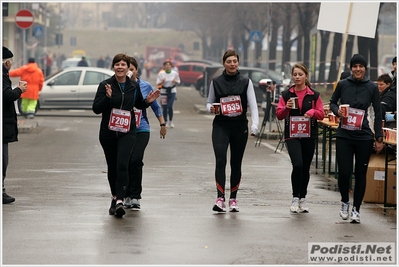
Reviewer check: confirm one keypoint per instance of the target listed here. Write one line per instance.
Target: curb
(25, 126)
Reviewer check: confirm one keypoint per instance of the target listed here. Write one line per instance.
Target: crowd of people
(126, 96)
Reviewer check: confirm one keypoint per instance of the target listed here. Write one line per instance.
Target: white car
(72, 88)
(72, 62)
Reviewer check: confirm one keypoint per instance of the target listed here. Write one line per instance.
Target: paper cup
(217, 108)
(345, 109)
(295, 101)
(21, 83)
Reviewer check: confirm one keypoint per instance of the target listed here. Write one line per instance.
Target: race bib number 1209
(119, 120)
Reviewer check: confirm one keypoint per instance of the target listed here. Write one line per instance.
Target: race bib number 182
(299, 126)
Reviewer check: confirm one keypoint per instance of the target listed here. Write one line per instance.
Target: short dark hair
(133, 61)
(120, 57)
(384, 78)
(230, 53)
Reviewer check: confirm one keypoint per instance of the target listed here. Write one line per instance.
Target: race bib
(137, 114)
(164, 100)
(299, 126)
(119, 120)
(231, 106)
(354, 121)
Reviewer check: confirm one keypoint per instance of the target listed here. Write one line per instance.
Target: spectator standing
(300, 143)
(354, 137)
(49, 63)
(100, 62)
(230, 126)
(394, 72)
(107, 62)
(388, 99)
(114, 100)
(135, 188)
(33, 75)
(10, 122)
(167, 80)
(83, 62)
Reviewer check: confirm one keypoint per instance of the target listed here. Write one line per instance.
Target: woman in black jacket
(114, 100)
(354, 137)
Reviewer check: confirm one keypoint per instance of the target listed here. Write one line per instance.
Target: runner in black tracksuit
(118, 92)
(354, 136)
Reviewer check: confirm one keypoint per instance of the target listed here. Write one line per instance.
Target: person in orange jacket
(33, 75)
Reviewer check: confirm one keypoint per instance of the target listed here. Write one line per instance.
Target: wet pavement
(57, 173)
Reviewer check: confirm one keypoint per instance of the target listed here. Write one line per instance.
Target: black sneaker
(119, 210)
(7, 199)
(112, 209)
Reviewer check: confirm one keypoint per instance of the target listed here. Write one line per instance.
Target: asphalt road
(57, 173)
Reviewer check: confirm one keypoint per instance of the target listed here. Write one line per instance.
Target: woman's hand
(152, 96)
(108, 90)
(378, 146)
(290, 103)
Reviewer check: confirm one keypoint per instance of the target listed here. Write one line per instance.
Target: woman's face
(358, 71)
(121, 68)
(231, 65)
(299, 76)
(167, 66)
(133, 69)
(382, 86)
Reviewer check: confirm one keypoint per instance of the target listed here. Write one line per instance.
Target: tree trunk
(325, 37)
(337, 44)
(348, 52)
(272, 49)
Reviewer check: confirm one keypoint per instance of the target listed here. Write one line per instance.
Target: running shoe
(128, 203)
(295, 205)
(219, 205)
(233, 205)
(112, 207)
(355, 216)
(135, 203)
(344, 212)
(119, 210)
(303, 205)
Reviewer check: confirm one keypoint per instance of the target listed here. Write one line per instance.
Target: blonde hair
(302, 67)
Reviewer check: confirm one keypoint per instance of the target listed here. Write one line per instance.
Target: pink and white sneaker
(233, 205)
(219, 205)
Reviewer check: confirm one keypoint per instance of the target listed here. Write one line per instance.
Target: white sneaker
(303, 205)
(295, 205)
(344, 212)
(171, 125)
(355, 216)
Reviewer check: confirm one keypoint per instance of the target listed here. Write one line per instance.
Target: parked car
(255, 74)
(72, 62)
(189, 72)
(72, 88)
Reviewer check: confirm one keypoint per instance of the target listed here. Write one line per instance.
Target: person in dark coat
(10, 127)
(388, 99)
(83, 62)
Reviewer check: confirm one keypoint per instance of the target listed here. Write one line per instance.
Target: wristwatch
(379, 139)
(163, 124)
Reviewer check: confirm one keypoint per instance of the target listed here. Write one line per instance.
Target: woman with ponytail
(301, 107)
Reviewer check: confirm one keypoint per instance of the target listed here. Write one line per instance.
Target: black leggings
(136, 166)
(346, 148)
(235, 134)
(301, 152)
(117, 154)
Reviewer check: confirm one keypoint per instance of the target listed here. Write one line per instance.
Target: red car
(190, 71)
